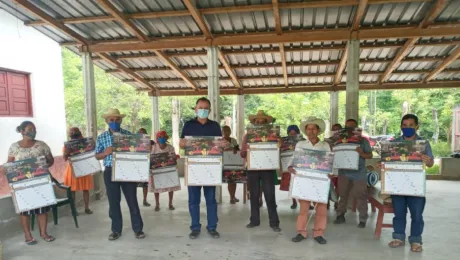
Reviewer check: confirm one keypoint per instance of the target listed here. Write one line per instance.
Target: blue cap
(293, 127)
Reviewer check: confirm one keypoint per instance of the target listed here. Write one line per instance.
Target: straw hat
(261, 114)
(113, 112)
(313, 121)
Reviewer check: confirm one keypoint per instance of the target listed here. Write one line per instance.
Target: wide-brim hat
(313, 121)
(113, 112)
(261, 114)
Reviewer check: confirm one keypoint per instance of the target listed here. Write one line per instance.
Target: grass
(433, 170)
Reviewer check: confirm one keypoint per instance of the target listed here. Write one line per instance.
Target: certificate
(263, 156)
(130, 167)
(407, 179)
(203, 171)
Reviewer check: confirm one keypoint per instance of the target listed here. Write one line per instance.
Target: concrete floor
(167, 234)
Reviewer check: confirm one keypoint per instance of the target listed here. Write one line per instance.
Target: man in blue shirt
(104, 152)
(416, 205)
(202, 126)
(354, 181)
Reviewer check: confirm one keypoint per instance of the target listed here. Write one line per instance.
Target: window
(15, 99)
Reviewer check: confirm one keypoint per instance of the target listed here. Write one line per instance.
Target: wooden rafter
(176, 68)
(198, 18)
(453, 57)
(283, 64)
(286, 37)
(60, 26)
(120, 17)
(221, 10)
(293, 64)
(48, 20)
(276, 15)
(228, 68)
(309, 75)
(359, 15)
(316, 88)
(341, 67)
(438, 6)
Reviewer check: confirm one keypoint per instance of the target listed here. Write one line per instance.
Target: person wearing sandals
(144, 185)
(202, 126)
(416, 205)
(226, 131)
(113, 118)
(85, 183)
(27, 148)
(311, 127)
(162, 146)
(268, 182)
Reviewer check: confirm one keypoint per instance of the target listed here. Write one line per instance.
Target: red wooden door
(4, 104)
(18, 93)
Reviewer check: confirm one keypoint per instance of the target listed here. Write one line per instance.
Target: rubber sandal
(396, 243)
(88, 211)
(237, 200)
(171, 207)
(49, 238)
(146, 204)
(31, 242)
(157, 208)
(232, 201)
(416, 247)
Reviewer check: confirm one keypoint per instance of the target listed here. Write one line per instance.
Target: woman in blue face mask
(162, 146)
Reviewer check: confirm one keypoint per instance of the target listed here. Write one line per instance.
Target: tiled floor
(167, 234)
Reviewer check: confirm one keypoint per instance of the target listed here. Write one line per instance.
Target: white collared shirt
(306, 144)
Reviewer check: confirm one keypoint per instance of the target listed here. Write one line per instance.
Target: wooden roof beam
(48, 20)
(359, 15)
(176, 68)
(314, 88)
(198, 18)
(121, 18)
(403, 51)
(228, 68)
(286, 37)
(453, 57)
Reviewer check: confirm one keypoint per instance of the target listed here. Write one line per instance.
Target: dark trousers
(416, 206)
(194, 200)
(268, 187)
(114, 196)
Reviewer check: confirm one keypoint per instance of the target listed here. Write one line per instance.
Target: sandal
(31, 242)
(416, 247)
(237, 200)
(88, 211)
(171, 207)
(157, 208)
(49, 238)
(396, 243)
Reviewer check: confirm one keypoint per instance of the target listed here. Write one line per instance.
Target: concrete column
(240, 118)
(352, 88)
(213, 95)
(334, 107)
(90, 109)
(155, 115)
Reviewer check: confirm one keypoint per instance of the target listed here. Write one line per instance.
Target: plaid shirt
(104, 141)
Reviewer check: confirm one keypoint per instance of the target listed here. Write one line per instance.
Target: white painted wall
(26, 49)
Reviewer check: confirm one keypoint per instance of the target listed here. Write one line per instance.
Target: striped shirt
(104, 141)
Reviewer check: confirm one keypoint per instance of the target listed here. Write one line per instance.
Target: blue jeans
(194, 199)
(416, 206)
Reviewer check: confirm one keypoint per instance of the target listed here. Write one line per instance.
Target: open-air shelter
(213, 47)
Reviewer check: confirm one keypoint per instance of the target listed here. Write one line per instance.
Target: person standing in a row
(28, 147)
(202, 126)
(144, 185)
(268, 182)
(233, 147)
(113, 118)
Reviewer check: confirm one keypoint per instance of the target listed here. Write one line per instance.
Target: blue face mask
(202, 113)
(115, 126)
(162, 140)
(408, 132)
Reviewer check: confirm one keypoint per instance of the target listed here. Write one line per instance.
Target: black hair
(226, 126)
(23, 126)
(203, 99)
(142, 129)
(339, 125)
(410, 116)
(352, 120)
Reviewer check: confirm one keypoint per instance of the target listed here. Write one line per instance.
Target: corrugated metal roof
(255, 65)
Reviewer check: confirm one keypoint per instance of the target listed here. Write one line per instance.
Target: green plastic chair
(60, 202)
